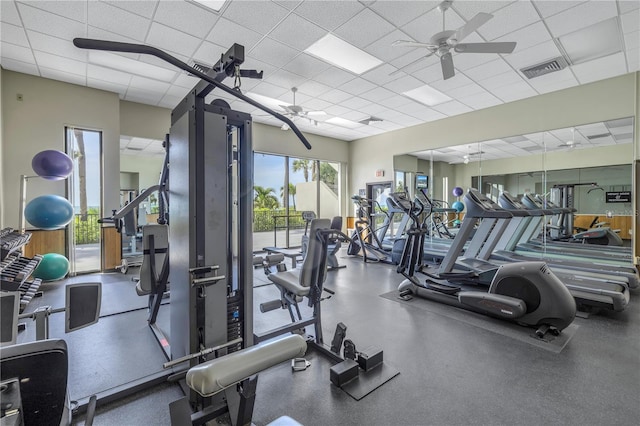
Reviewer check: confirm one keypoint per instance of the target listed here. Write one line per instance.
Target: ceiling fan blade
(315, 113)
(475, 23)
(499, 47)
(422, 58)
(407, 43)
(446, 61)
(287, 108)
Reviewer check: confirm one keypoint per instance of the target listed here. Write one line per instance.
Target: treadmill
(590, 289)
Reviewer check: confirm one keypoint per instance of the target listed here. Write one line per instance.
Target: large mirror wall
(593, 160)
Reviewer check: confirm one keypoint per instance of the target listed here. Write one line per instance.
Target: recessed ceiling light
(211, 4)
(593, 42)
(343, 122)
(427, 95)
(342, 54)
(120, 63)
(265, 99)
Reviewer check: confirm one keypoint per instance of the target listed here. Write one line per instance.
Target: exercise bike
(527, 293)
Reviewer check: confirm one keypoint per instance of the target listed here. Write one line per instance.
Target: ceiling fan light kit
(443, 42)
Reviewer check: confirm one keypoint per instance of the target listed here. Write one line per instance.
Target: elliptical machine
(524, 292)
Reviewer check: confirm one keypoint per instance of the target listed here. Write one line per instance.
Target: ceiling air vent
(601, 135)
(546, 67)
(203, 68)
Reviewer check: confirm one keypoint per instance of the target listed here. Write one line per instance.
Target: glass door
(84, 191)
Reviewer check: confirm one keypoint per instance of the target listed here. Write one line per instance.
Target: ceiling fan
(296, 111)
(572, 143)
(441, 43)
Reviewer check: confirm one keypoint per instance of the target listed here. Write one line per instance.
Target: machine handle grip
(114, 46)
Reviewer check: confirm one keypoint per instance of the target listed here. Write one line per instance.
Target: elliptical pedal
(442, 288)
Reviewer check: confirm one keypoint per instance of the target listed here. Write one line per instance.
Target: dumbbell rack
(16, 269)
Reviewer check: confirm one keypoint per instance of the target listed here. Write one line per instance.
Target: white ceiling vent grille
(202, 67)
(552, 65)
(599, 136)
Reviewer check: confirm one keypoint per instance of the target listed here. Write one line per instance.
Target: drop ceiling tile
(101, 34)
(226, 33)
(632, 41)
(317, 105)
(313, 88)
(336, 110)
(490, 69)
(397, 101)
(48, 23)
(260, 16)
(533, 55)
(357, 86)
(413, 59)
(13, 34)
(328, 14)
(147, 84)
(363, 29)
(601, 68)
(334, 76)
(465, 91)
(63, 75)
(107, 87)
(272, 91)
(380, 75)
(143, 96)
(454, 82)
(336, 96)
(425, 26)
(550, 8)
(185, 80)
(59, 63)
(69, 9)
(254, 64)
(286, 79)
(288, 4)
(630, 22)
(273, 52)
(514, 92)
(143, 8)
(208, 53)
(306, 65)
(355, 115)
(379, 94)
(554, 81)
(108, 75)
(465, 61)
(167, 38)
(19, 66)
(297, 32)
(56, 46)
(452, 108)
(402, 12)
(429, 74)
(9, 13)
(581, 16)
(403, 84)
(372, 109)
(628, 5)
(113, 19)
(633, 60)
(528, 36)
(383, 48)
(185, 17)
(469, 9)
(501, 80)
(517, 15)
(355, 102)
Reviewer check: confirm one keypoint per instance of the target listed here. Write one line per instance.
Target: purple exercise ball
(457, 191)
(52, 165)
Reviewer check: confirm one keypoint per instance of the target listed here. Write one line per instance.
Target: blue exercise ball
(52, 267)
(457, 191)
(49, 212)
(52, 165)
(458, 206)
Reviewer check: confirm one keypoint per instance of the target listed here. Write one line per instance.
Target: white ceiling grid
(36, 38)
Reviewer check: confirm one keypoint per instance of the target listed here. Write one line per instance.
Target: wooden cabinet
(111, 248)
(43, 242)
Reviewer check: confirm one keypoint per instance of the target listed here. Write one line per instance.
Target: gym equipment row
(16, 270)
